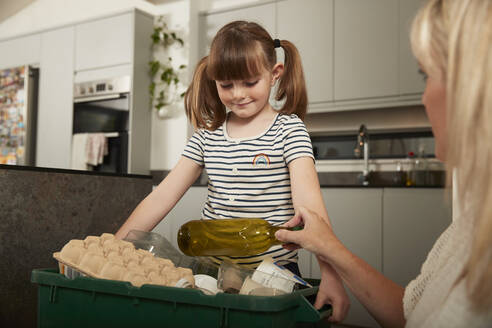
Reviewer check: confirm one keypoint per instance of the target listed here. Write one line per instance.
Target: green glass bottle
(229, 237)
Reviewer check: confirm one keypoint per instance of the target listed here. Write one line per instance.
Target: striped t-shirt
(249, 177)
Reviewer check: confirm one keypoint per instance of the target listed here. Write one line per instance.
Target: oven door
(101, 115)
(108, 114)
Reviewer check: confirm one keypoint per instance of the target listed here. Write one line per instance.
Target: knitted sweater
(431, 300)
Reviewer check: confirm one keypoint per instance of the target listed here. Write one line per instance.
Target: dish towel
(88, 150)
(96, 148)
(79, 141)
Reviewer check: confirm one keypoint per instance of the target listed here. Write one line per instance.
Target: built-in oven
(102, 107)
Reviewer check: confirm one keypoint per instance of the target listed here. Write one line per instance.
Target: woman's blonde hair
(453, 40)
(242, 50)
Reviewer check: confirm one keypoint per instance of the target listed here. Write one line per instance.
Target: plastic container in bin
(161, 247)
(88, 302)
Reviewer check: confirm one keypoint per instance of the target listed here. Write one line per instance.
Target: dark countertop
(55, 170)
(41, 209)
(385, 179)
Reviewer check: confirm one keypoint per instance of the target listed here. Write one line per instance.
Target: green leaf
(168, 75)
(155, 65)
(152, 88)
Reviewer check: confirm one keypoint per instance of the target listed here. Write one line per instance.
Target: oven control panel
(102, 87)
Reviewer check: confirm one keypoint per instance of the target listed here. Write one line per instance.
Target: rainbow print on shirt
(261, 159)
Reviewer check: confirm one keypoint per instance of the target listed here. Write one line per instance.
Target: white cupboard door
(309, 25)
(366, 49)
(304, 262)
(411, 82)
(356, 216)
(55, 110)
(104, 42)
(20, 51)
(413, 219)
(210, 24)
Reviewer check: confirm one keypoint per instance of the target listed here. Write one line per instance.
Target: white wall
(219, 4)
(9, 7)
(170, 133)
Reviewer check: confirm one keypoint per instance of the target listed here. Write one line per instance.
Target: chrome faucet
(363, 143)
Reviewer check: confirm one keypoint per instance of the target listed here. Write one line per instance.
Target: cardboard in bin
(89, 302)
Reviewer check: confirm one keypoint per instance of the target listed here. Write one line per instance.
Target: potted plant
(165, 84)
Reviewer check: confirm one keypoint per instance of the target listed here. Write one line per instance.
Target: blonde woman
(452, 40)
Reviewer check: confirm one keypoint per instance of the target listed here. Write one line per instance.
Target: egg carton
(106, 257)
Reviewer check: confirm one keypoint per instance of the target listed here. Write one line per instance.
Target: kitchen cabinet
(410, 80)
(20, 51)
(413, 219)
(55, 99)
(366, 44)
(211, 22)
(141, 110)
(314, 42)
(392, 229)
(355, 53)
(356, 216)
(104, 42)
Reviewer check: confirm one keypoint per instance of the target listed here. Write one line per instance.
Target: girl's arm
(379, 295)
(162, 199)
(306, 193)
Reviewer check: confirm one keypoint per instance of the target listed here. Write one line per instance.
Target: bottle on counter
(227, 237)
(410, 169)
(420, 168)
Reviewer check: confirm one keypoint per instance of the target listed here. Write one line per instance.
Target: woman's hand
(316, 236)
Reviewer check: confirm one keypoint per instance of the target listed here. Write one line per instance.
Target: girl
(259, 160)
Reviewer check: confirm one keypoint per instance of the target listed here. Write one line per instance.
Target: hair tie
(276, 43)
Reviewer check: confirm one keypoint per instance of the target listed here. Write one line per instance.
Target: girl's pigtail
(202, 103)
(292, 84)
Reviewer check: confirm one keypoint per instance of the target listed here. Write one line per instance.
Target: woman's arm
(306, 193)
(380, 296)
(162, 199)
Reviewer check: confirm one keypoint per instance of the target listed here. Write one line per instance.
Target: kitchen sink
(430, 178)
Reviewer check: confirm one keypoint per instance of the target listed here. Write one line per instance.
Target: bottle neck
(274, 229)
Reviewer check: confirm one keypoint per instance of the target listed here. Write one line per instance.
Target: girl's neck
(238, 127)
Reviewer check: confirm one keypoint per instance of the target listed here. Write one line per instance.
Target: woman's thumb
(286, 236)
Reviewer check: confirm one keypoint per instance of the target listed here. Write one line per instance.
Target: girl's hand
(331, 291)
(316, 236)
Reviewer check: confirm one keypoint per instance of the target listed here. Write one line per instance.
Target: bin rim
(296, 301)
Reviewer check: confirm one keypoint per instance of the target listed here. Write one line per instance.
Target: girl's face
(434, 100)
(247, 98)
